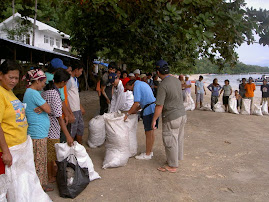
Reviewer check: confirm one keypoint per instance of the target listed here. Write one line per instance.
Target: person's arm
(69, 139)
(82, 109)
(221, 91)
(71, 117)
(196, 89)
(104, 93)
(157, 114)
(46, 108)
(231, 91)
(66, 113)
(6, 156)
(133, 110)
(204, 89)
(209, 87)
(188, 86)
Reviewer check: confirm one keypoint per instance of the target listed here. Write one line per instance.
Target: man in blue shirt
(145, 100)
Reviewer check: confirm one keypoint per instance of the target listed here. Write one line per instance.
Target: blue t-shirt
(144, 95)
(39, 124)
(50, 77)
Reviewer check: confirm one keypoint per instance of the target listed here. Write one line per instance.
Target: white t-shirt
(73, 95)
(121, 100)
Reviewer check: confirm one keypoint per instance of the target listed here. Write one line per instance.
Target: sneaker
(143, 156)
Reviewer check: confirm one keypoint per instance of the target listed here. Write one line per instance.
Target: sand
(226, 159)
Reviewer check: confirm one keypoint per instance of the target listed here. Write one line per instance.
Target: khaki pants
(173, 140)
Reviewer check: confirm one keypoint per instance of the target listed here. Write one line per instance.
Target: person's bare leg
(201, 104)
(149, 141)
(51, 175)
(79, 139)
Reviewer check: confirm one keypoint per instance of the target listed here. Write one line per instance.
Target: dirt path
(226, 159)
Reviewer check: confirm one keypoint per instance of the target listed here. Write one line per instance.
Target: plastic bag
(265, 108)
(79, 181)
(233, 105)
(4, 182)
(189, 103)
(218, 107)
(117, 141)
(84, 161)
(131, 123)
(97, 131)
(206, 107)
(245, 106)
(257, 110)
(24, 182)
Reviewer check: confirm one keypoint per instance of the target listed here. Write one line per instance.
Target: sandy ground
(226, 159)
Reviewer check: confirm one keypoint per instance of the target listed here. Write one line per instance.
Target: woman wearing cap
(37, 111)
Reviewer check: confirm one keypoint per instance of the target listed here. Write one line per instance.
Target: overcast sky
(255, 54)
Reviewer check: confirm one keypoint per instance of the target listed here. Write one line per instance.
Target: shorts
(199, 97)
(225, 100)
(2, 165)
(77, 128)
(51, 149)
(147, 120)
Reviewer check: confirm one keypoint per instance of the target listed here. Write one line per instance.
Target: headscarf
(34, 75)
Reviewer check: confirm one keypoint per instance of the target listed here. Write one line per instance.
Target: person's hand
(126, 116)
(83, 110)
(7, 158)
(205, 92)
(69, 141)
(108, 101)
(66, 120)
(71, 118)
(38, 110)
(153, 125)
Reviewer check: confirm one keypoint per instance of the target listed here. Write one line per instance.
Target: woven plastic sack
(189, 103)
(233, 105)
(117, 141)
(218, 107)
(206, 107)
(3, 188)
(97, 131)
(265, 108)
(257, 110)
(131, 123)
(245, 106)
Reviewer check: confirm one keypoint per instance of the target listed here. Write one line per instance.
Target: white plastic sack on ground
(131, 123)
(257, 110)
(97, 131)
(245, 106)
(189, 103)
(218, 107)
(3, 188)
(117, 141)
(206, 107)
(265, 108)
(24, 183)
(233, 105)
(84, 161)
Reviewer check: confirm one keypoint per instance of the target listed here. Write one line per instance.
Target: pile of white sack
(189, 103)
(218, 107)
(233, 105)
(261, 110)
(97, 131)
(206, 107)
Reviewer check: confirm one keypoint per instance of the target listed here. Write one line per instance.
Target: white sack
(84, 161)
(24, 182)
(265, 108)
(206, 107)
(233, 105)
(131, 123)
(218, 107)
(117, 141)
(257, 110)
(245, 106)
(4, 182)
(189, 103)
(97, 131)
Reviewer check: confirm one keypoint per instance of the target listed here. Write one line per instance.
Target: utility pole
(13, 12)
(33, 41)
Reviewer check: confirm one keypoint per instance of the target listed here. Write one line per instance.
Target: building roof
(40, 25)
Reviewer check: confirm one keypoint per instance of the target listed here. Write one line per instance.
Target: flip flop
(164, 169)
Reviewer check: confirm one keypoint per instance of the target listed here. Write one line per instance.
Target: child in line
(227, 89)
(238, 98)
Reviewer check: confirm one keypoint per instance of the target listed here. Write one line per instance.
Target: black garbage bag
(80, 181)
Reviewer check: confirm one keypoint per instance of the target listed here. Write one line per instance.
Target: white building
(46, 37)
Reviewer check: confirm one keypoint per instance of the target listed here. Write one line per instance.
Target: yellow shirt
(12, 118)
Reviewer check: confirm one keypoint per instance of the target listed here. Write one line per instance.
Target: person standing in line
(145, 100)
(214, 88)
(242, 91)
(181, 78)
(199, 91)
(155, 84)
(124, 78)
(227, 89)
(187, 84)
(77, 128)
(250, 88)
(106, 89)
(265, 92)
(169, 103)
(131, 76)
(37, 111)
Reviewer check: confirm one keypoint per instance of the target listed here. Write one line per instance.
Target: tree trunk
(33, 42)
(13, 12)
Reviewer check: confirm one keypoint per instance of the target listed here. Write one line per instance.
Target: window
(58, 43)
(46, 39)
(51, 41)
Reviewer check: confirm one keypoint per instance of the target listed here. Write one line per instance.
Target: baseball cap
(131, 74)
(137, 71)
(57, 63)
(162, 65)
(112, 77)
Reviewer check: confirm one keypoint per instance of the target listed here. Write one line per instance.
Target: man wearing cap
(106, 89)
(132, 76)
(137, 74)
(250, 88)
(169, 103)
(145, 100)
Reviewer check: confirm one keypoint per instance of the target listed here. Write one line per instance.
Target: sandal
(166, 168)
(47, 188)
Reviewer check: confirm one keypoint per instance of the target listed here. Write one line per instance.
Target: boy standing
(199, 91)
(265, 92)
(77, 128)
(250, 88)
